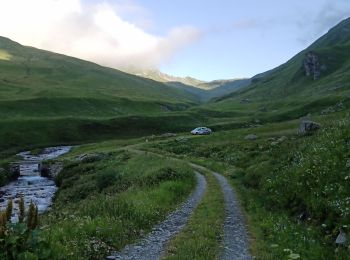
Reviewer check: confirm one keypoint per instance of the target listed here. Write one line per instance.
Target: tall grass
(295, 191)
(105, 204)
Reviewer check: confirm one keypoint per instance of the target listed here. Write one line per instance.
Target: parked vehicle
(201, 131)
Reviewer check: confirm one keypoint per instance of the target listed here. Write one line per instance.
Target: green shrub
(107, 178)
(20, 240)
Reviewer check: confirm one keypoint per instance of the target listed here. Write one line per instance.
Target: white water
(30, 184)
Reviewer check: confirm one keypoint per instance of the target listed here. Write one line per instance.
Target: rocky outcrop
(15, 170)
(312, 65)
(307, 127)
(50, 170)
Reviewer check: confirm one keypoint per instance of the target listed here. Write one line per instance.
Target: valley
(264, 187)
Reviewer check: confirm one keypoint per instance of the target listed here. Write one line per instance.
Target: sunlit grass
(4, 55)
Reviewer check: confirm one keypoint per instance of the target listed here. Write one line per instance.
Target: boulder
(308, 127)
(251, 137)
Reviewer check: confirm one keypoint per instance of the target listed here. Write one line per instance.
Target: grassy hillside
(35, 77)
(287, 90)
(42, 93)
(294, 188)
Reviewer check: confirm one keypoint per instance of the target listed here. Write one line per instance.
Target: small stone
(168, 135)
(181, 139)
(294, 256)
(245, 101)
(341, 238)
(251, 137)
(282, 139)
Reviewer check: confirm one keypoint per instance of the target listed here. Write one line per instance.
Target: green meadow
(294, 189)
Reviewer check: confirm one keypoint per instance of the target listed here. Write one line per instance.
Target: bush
(106, 178)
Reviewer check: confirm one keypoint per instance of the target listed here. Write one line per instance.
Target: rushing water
(30, 184)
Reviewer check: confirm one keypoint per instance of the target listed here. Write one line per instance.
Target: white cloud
(95, 32)
(327, 15)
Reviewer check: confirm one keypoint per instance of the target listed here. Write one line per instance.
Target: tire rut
(154, 244)
(236, 240)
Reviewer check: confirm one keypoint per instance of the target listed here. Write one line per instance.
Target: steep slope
(39, 83)
(313, 80)
(162, 77)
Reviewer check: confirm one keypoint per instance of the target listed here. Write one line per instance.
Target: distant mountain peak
(157, 75)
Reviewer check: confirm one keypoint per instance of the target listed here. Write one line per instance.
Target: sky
(204, 39)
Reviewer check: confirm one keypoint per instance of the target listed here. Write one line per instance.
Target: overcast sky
(205, 39)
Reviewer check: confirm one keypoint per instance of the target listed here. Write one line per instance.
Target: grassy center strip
(201, 238)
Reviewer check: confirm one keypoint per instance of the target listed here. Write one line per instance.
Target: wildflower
(324, 225)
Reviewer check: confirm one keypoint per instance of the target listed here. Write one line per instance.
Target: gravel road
(154, 244)
(236, 242)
